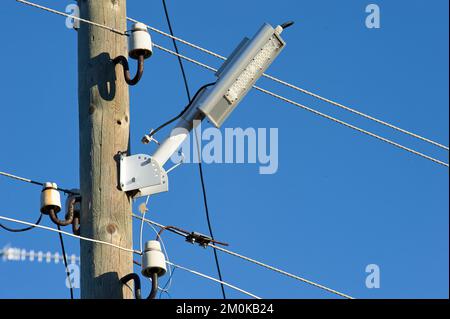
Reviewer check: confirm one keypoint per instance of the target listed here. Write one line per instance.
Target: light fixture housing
(239, 73)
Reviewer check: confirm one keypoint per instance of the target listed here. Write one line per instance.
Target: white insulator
(153, 259)
(140, 41)
(50, 198)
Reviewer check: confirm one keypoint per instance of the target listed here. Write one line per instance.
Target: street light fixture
(144, 174)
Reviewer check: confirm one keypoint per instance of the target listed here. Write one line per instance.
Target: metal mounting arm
(126, 68)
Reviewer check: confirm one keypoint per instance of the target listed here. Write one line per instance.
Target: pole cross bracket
(141, 175)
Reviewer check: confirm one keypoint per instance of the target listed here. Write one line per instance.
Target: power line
(272, 268)
(71, 235)
(180, 62)
(274, 95)
(125, 249)
(282, 98)
(299, 89)
(148, 137)
(256, 87)
(214, 279)
(21, 230)
(27, 180)
(309, 282)
(32, 4)
(63, 250)
(200, 165)
(383, 139)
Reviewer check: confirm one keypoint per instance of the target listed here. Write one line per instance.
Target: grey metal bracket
(141, 174)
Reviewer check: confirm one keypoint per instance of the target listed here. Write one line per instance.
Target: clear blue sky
(339, 201)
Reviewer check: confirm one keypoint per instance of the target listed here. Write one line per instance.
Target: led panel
(250, 74)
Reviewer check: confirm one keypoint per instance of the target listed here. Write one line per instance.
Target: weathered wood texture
(104, 132)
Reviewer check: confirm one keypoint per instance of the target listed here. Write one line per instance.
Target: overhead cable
(256, 87)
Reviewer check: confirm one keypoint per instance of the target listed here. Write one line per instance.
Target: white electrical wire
(141, 230)
(261, 264)
(260, 89)
(143, 220)
(125, 249)
(277, 80)
(213, 279)
(282, 98)
(168, 284)
(22, 179)
(32, 4)
(70, 234)
(280, 271)
(223, 58)
(264, 91)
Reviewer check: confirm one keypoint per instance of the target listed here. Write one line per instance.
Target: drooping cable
(63, 250)
(301, 90)
(205, 200)
(27, 180)
(20, 230)
(168, 262)
(214, 279)
(286, 100)
(154, 290)
(170, 269)
(183, 72)
(124, 33)
(9, 219)
(137, 283)
(261, 264)
(159, 128)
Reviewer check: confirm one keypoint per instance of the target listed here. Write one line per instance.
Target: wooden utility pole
(104, 119)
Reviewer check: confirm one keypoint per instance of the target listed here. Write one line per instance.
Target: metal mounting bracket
(142, 175)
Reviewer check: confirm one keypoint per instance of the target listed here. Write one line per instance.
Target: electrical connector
(197, 238)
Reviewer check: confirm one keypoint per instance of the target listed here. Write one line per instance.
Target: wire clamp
(202, 240)
(148, 138)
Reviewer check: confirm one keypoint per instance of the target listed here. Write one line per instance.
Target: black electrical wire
(205, 200)
(287, 24)
(153, 132)
(186, 85)
(154, 291)
(137, 284)
(65, 261)
(12, 230)
(26, 180)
